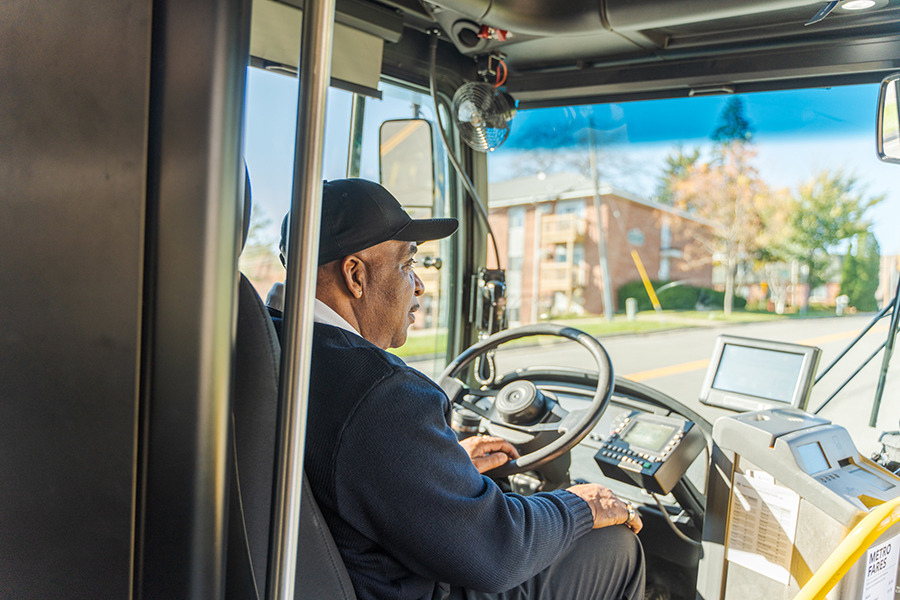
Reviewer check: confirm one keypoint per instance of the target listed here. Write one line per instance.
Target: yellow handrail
(879, 520)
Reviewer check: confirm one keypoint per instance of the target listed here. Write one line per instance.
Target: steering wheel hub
(521, 403)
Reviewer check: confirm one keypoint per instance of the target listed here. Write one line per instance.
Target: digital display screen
(756, 372)
(652, 436)
(813, 458)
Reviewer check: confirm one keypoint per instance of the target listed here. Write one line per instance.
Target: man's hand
(606, 507)
(488, 452)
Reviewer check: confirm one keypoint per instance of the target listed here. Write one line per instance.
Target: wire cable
(501, 80)
(677, 531)
(465, 178)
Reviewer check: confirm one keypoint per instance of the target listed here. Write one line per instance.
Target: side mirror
(406, 161)
(888, 128)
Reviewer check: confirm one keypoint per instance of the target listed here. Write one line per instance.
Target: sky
(798, 134)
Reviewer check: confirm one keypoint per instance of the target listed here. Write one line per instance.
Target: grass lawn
(423, 343)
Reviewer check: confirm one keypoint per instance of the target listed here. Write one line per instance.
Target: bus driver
(410, 512)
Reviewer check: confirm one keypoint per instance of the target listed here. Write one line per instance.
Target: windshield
(701, 189)
(271, 116)
(746, 214)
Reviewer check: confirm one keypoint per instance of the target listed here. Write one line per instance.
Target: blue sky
(811, 113)
(798, 133)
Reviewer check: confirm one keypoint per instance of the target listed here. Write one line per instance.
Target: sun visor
(275, 45)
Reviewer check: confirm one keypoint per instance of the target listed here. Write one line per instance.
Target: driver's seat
(320, 569)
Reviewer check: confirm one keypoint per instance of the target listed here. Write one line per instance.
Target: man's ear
(353, 270)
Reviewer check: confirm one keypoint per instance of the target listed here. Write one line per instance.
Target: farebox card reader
(785, 489)
(650, 451)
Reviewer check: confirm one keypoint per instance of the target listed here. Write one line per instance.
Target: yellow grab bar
(879, 520)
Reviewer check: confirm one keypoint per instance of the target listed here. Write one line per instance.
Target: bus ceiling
(588, 51)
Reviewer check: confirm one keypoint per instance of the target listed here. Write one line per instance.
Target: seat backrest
(320, 569)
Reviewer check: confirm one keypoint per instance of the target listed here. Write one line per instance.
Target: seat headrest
(245, 225)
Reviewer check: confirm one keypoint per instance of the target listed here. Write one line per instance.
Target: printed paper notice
(763, 523)
(881, 570)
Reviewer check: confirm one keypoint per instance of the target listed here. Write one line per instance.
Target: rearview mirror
(406, 165)
(888, 128)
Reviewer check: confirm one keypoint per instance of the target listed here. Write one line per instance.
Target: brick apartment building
(546, 229)
(888, 275)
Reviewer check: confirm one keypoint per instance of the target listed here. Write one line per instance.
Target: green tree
(826, 211)
(727, 197)
(859, 273)
(259, 259)
(678, 162)
(733, 123)
(726, 193)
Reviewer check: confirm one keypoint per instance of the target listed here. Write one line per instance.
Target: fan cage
(482, 115)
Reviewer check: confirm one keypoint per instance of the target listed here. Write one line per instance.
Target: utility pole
(601, 237)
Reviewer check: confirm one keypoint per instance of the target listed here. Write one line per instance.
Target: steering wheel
(520, 406)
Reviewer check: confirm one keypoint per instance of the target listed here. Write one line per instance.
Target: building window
(635, 237)
(664, 268)
(665, 235)
(570, 207)
(516, 217)
(515, 249)
(560, 253)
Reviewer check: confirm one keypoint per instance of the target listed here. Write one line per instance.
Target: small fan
(482, 114)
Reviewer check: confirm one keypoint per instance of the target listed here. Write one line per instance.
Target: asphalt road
(675, 362)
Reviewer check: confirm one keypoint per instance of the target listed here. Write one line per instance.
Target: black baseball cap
(358, 214)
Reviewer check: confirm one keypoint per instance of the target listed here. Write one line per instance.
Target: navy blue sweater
(404, 502)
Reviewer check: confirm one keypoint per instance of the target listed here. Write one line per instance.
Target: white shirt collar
(322, 313)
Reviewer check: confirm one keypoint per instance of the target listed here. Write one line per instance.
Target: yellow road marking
(697, 365)
(673, 370)
(836, 337)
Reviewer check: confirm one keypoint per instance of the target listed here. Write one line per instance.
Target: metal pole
(313, 77)
(849, 379)
(536, 266)
(844, 352)
(357, 115)
(601, 238)
(886, 359)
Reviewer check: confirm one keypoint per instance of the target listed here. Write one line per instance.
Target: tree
(727, 192)
(733, 124)
(826, 211)
(677, 163)
(859, 273)
(726, 196)
(259, 259)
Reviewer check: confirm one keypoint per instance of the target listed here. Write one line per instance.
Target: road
(675, 362)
